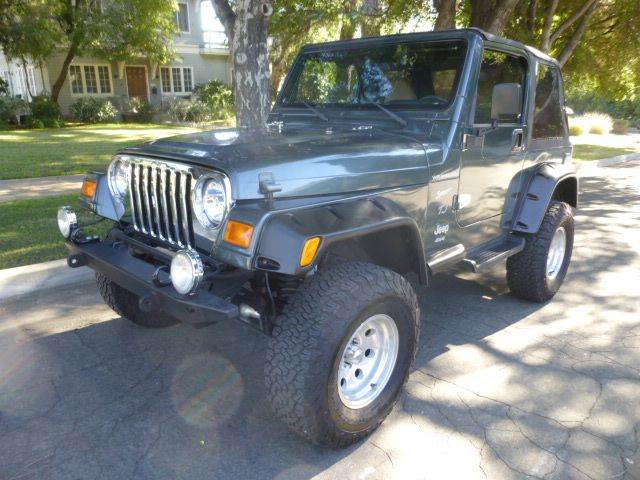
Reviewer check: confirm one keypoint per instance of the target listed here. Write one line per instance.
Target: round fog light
(67, 221)
(186, 271)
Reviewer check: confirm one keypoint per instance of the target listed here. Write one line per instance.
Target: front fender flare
(284, 234)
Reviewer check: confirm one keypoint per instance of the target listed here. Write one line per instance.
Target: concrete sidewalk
(26, 188)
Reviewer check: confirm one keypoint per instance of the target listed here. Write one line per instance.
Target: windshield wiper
(317, 112)
(395, 116)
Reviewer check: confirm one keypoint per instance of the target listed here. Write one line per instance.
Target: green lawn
(29, 230)
(76, 149)
(585, 152)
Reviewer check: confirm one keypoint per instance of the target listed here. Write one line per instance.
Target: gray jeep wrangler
(383, 158)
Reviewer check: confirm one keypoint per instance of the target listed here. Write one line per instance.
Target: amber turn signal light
(238, 233)
(309, 251)
(89, 187)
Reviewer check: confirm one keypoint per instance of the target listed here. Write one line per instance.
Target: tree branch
(226, 15)
(571, 20)
(545, 44)
(573, 42)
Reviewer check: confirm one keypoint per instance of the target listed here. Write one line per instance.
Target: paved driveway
(501, 389)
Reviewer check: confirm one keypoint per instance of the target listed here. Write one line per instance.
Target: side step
(488, 254)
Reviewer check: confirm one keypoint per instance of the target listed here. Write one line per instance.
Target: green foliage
(139, 111)
(198, 112)
(44, 109)
(93, 110)
(627, 108)
(576, 130)
(4, 87)
(11, 108)
(620, 127)
(218, 97)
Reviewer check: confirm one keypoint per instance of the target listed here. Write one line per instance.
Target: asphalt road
(501, 388)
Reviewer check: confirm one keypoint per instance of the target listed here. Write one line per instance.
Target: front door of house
(137, 83)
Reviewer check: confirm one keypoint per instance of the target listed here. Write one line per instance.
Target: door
(137, 83)
(492, 159)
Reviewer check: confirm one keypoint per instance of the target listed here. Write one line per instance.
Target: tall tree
(246, 24)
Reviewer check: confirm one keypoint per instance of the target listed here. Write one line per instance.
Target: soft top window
(403, 75)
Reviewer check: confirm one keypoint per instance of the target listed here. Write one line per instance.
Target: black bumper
(113, 260)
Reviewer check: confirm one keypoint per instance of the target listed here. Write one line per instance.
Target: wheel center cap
(354, 354)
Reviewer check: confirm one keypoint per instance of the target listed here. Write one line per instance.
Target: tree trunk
(251, 63)
(446, 19)
(348, 27)
(247, 30)
(545, 43)
(370, 25)
(492, 15)
(57, 85)
(575, 39)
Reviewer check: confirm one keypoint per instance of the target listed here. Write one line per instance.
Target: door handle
(517, 140)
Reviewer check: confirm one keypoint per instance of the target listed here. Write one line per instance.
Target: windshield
(404, 75)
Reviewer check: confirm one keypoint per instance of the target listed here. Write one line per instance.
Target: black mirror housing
(506, 102)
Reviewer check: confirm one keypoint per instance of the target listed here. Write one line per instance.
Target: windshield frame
(296, 71)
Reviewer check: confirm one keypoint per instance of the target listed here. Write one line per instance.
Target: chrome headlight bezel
(203, 210)
(118, 177)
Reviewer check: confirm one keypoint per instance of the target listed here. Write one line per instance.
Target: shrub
(576, 130)
(198, 112)
(620, 127)
(11, 109)
(596, 123)
(4, 87)
(178, 109)
(93, 110)
(139, 111)
(218, 97)
(44, 109)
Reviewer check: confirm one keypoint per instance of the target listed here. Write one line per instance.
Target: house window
(90, 79)
(76, 79)
(182, 17)
(176, 79)
(105, 79)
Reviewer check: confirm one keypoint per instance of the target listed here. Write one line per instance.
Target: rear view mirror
(506, 103)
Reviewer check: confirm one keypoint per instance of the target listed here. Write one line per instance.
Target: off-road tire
(307, 344)
(125, 304)
(527, 270)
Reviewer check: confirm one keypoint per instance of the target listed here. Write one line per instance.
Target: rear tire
(306, 362)
(125, 304)
(537, 272)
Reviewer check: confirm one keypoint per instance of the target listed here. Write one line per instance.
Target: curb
(19, 281)
(627, 157)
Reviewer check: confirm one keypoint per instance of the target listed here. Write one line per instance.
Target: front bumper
(114, 260)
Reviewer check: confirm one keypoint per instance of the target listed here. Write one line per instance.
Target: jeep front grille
(160, 199)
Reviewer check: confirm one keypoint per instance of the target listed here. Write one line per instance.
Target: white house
(202, 54)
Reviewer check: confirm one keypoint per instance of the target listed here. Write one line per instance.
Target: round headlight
(186, 271)
(211, 200)
(119, 178)
(67, 221)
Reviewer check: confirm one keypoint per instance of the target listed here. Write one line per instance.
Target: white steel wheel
(555, 256)
(367, 361)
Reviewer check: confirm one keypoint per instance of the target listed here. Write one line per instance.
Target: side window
(547, 118)
(498, 67)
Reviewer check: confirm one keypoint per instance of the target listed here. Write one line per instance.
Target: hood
(303, 161)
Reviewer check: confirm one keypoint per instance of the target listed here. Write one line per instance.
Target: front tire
(125, 304)
(537, 272)
(309, 384)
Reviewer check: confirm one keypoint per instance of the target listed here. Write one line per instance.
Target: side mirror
(506, 102)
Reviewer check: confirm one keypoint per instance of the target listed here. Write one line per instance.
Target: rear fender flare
(550, 181)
